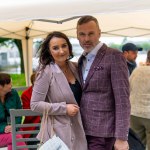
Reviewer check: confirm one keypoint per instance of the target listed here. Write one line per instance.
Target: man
(130, 52)
(105, 106)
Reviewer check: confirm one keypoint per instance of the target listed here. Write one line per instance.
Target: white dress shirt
(89, 60)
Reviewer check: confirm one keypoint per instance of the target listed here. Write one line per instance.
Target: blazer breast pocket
(100, 75)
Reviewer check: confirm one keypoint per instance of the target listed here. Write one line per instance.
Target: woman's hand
(8, 129)
(72, 109)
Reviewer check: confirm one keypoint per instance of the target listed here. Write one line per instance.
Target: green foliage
(18, 80)
(144, 45)
(3, 40)
(11, 42)
(116, 46)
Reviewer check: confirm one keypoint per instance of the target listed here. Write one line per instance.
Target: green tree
(7, 41)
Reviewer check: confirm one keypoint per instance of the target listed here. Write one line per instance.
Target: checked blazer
(105, 106)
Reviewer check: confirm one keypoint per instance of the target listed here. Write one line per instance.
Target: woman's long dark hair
(45, 56)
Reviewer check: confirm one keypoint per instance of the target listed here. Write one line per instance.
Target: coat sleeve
(120, 86)
(2, 127)
(39, 95)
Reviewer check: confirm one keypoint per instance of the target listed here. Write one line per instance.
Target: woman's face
(59, 50)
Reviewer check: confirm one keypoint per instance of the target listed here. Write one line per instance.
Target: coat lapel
(63, 84)
(80, 62)
(73, 67)
(95, 65)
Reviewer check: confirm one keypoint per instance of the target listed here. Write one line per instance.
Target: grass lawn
(18, 80)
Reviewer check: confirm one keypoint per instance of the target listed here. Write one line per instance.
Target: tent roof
(27, 19)
(116, 17)
(38, 9)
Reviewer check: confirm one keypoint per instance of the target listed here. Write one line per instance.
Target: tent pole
(27, 56)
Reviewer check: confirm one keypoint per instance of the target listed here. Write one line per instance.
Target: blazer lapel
(80, 62)
(74, 70)
(63, 84)
(95, 64)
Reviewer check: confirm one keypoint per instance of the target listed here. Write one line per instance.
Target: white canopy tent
(28, 19)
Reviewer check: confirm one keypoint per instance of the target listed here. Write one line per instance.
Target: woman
(9, 99)
(57, 90)
(140, 101)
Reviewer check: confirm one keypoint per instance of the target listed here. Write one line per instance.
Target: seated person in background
(9, 99)
(25, 97)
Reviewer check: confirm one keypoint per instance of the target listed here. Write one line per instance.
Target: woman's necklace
(68, 74)
(65, 69)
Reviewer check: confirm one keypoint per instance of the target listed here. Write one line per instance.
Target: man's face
(88, 35)
(131, 55)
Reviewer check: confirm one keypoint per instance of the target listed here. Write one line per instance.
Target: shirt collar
(94, 51)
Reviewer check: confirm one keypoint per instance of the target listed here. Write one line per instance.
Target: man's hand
(121, 145)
